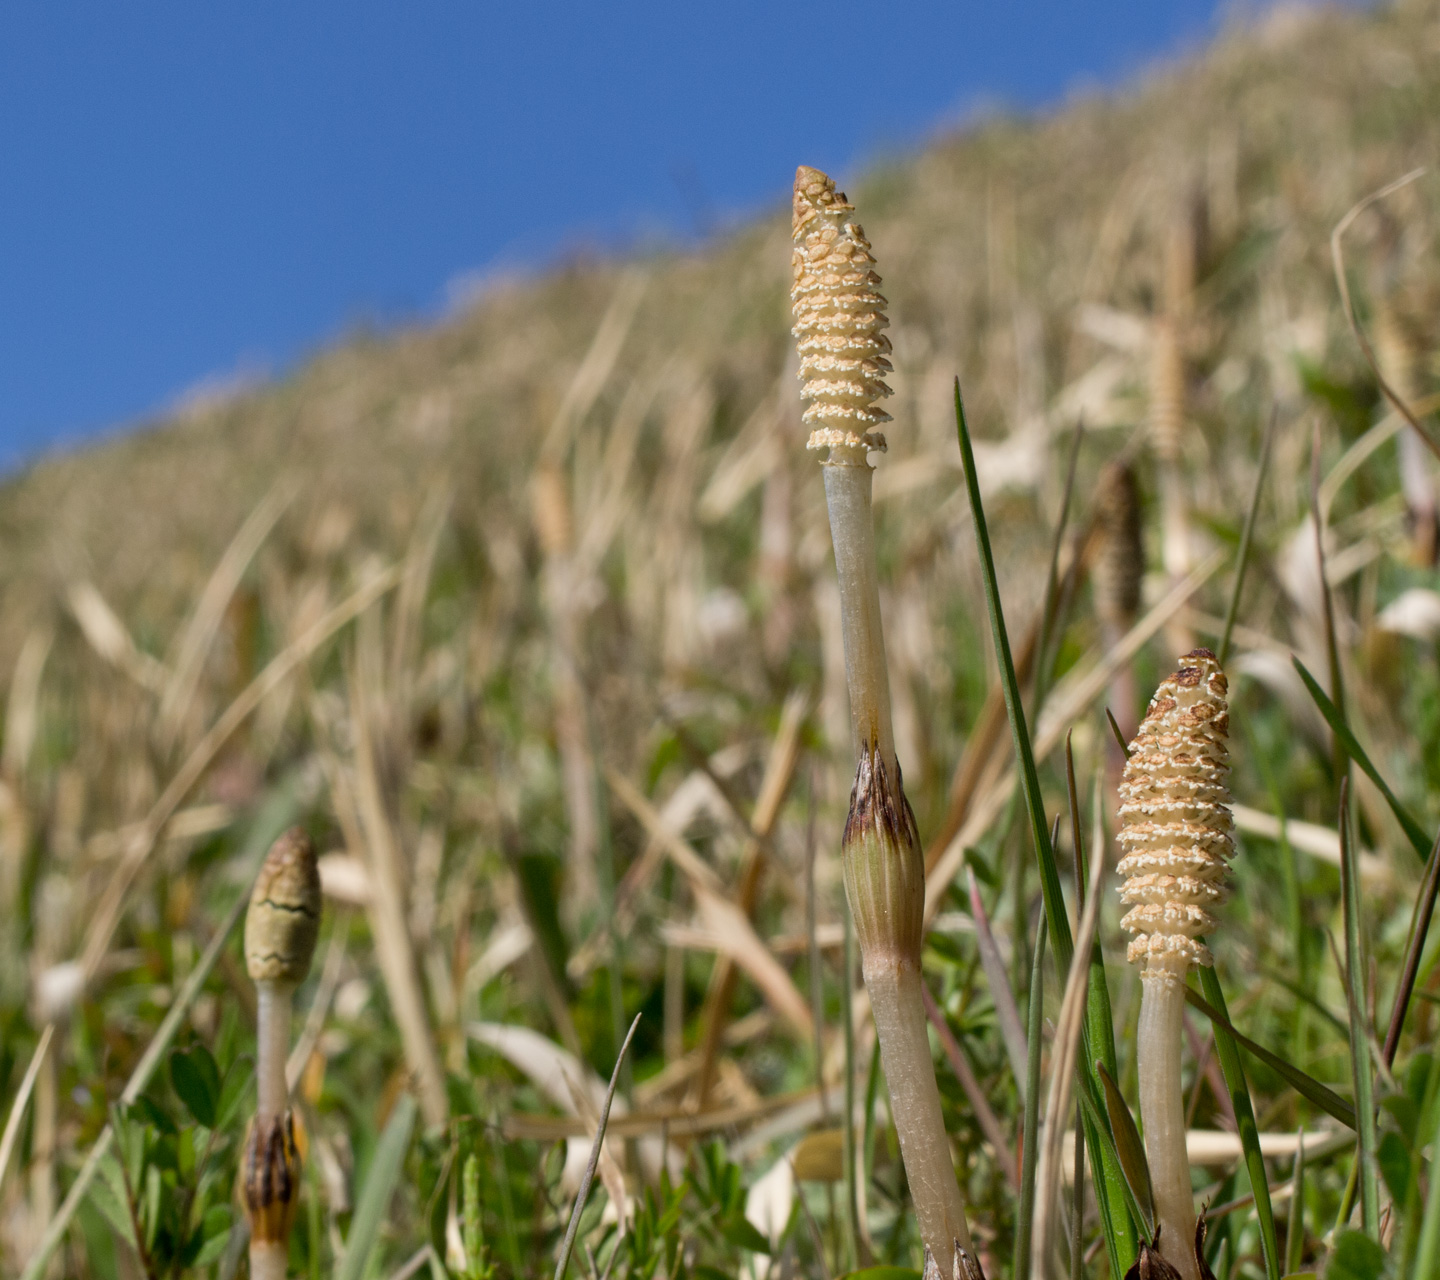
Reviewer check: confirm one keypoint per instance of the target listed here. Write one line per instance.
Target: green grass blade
(1050, 614)
(1338, 726)
(380, 1183)
(1426, 1128)
(1110, 1182)
(1030, 1145)
(1332, 646)
(1414, 947)
(1309, 1088)
(583, 1193)
(1131, 1152)
(1060, 937)
(1242, 558)
(1427, 1258)
(1097, 1129)
(1228, 1054)
(1359, 1032)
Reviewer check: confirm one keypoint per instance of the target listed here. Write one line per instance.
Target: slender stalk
(848, 482)
(839, 323)
(1228, 1053)
(1242, 557)
(281, 928)
(847, 1023)
(272, 1035)
(1158, 1039)
(1360, 1030)
(1029, 1143)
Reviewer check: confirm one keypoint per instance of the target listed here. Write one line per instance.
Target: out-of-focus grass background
(461, 599)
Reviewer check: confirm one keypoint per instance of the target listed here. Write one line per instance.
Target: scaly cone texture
(1177, 833)
(839, 318)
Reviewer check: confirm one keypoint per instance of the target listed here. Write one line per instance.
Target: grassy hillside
(579, 551)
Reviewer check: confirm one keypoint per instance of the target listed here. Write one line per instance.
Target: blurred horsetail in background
(530, 620)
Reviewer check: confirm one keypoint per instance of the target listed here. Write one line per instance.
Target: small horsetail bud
(281, 928)
(839, 324)
(839, 318)
(1177, 837)
(284, 916)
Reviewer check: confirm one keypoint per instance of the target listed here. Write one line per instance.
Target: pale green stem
(269, 1258)
(890, 956)
(900, 1024)
(1162, 1109)
(848, 478)
(272, 1033)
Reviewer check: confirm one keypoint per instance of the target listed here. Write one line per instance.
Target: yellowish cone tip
(270, 1177)
(839, 318)
(284, 916)
(1177, 833)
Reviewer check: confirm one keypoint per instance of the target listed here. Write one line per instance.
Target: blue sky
(193, 192)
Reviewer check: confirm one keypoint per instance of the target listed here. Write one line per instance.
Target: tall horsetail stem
(1178, 837)
(281, 927)
(839, 330)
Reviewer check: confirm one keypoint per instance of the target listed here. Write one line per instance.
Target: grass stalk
(1228, 1053)
(1242, 556)
(583, 1193)
(1069, 1032)
(1327, 603)
(1414, 949)
(1360, 1034)
(1029, 1142)
(22, 1099)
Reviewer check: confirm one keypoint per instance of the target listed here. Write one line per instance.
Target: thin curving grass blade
(1335, 718)
(1050, 614)
(1359, 1033)
(1228, 1053)
(380, 1183)
(1029, 1144)
(1309, 1088)
(1242, 558)
(583, 1194)
(1131, 1151)
(1120, 1235)
(1414, 946)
